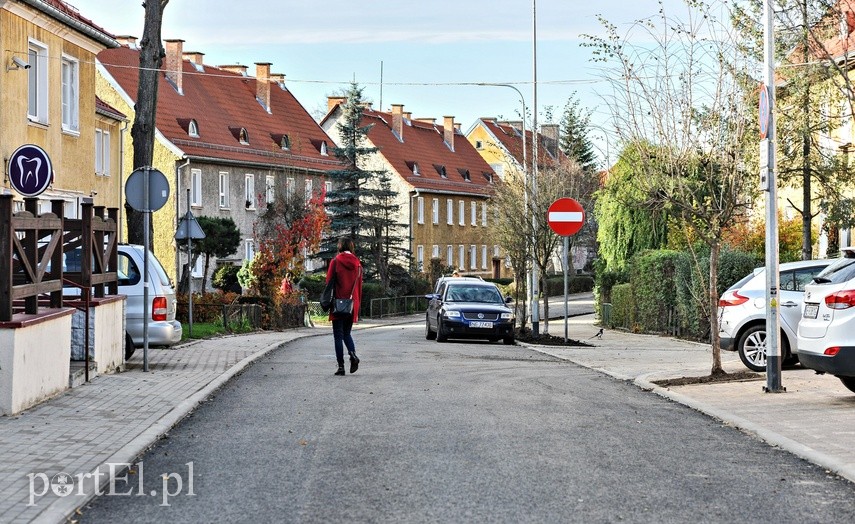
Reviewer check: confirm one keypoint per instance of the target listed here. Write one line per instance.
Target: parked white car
(163, 329)
(742, 312)
(826, 334)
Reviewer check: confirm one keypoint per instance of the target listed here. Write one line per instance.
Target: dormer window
(193, 129)
(324, 151)
(414, 167)
(465, 174)
(285, 142)
(243, 137)
(488, 177)
(441, 170)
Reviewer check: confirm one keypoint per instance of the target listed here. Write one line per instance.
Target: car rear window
(161, 274)
(839, 271)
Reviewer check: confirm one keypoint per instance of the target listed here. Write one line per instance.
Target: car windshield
(464, 293)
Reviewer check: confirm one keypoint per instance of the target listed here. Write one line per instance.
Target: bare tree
(142, 132)
(679, 97)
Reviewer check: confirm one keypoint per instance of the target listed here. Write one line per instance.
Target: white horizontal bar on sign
(565, 216)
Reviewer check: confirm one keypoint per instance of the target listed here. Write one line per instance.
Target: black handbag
(344, 306)
(328, 294)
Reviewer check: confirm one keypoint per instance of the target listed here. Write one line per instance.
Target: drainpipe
(416, 195)
(175, 225)
(119, 179)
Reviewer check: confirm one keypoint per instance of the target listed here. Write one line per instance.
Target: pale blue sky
(321, 46)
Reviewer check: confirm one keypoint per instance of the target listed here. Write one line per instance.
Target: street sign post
(566, 217)
(146, 190)
(189, 230)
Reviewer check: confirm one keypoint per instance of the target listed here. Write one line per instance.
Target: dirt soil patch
(546, 339)
(739, 376)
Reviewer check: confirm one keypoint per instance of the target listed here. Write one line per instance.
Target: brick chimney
(127, 40)
(193, 56)
(235, 68)
(279, 78)
(448, 131)
(408, 115)
(549, 132)
(431, 121)
(333, 101)
(175, 63)
(398, 121)
(262, 84)
(457, 126)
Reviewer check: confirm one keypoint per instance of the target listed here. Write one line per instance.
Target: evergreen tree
(574, 140)
(362, 204)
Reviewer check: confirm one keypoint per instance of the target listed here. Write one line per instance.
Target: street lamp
(535, 315)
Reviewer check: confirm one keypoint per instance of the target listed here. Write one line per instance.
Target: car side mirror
(431, 296)
(508, 299)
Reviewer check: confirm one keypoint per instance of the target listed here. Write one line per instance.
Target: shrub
(623, 306)
(554, 286)
(652, 274)
(207, 307)
(226, 279)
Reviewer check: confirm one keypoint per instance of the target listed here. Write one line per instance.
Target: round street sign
(158, 189)
(566, 217)
(30, 170)
(764, 111)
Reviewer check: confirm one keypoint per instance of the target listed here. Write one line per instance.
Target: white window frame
(435, 252)
(224, 190)
(473, 256)
(70, 79)
(99, 151)
(461, 212)
(421, 210)
(484, 214)
(327, 188)
(37, 87)
(449, 252)
(420, 258)
(435, 211)
(308, 189)
(290, 186)
(450, 205)
(249, 249)
(473, 213)
(198, 268)
(193, 129)
(496, 252)
(196, 187)
(461, 256)
(269, 189)
(483, 256)
(249, 190)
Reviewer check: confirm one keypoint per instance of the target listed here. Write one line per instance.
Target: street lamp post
(535, 315)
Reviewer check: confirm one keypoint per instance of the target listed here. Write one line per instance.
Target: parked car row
(817, 299)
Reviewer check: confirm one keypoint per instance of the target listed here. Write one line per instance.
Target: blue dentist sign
(30, 170)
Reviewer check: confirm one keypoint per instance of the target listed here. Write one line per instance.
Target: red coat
(347, 272)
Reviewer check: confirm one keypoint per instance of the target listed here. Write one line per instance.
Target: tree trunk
(205, 273)
(715, 249)
(142, 132)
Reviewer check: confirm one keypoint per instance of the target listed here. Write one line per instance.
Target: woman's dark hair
(346, 244)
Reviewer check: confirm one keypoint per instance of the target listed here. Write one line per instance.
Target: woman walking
(348, 284)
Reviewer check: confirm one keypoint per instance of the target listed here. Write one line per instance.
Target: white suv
(826, 335)
(742, 312)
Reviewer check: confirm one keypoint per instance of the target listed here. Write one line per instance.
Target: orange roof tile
(221, 102)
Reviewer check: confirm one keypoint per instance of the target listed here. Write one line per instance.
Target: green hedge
(554, 286)
(623, 306)
(652, 277)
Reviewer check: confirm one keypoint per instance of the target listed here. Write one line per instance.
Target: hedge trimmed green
(623, 306)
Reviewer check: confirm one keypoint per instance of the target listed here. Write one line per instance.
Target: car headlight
(452, 314)
(507, 316)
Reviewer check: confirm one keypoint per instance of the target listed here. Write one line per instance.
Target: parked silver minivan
(163, 329)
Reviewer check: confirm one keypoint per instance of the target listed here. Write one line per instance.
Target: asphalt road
(450, 432)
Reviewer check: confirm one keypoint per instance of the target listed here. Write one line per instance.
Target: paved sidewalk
(113, 419)
(814, 418)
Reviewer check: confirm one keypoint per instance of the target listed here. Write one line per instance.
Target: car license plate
(811, 310)
(481, 324)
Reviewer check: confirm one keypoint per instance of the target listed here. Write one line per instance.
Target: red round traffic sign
(566, 217)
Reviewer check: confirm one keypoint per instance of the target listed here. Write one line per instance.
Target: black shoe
(340, 370)
(354, 364)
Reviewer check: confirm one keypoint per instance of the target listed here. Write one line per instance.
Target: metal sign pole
(189, 270)
(566, 294)
(773, 342)
(146, 306)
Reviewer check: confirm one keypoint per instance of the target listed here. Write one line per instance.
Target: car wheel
(441, 335)
(429, 335)
(508, 341)
(752, 348)
(849, 382)
(129, 346)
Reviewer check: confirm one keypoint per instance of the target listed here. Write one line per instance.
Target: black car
(468, 308)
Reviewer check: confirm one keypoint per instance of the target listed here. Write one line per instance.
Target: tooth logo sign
(30, 170)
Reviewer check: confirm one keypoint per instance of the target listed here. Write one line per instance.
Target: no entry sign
(566, 217)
